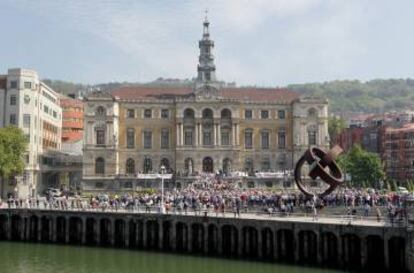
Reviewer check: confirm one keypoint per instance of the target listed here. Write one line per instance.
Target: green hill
(344, 96)
(356, 96)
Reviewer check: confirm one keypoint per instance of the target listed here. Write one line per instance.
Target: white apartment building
(31, 105)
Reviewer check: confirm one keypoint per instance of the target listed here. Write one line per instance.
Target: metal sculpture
(321, 164)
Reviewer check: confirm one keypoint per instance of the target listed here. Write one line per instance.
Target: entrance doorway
(208, 165)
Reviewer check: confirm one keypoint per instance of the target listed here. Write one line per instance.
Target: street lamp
(162, 208)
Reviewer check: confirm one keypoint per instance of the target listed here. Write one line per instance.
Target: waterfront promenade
(329, 240)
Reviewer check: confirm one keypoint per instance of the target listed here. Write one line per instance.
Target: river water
(40, 258)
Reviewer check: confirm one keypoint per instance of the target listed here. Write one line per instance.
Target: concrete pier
(355, 246)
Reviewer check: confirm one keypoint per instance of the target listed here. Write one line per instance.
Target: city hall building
(250, 133)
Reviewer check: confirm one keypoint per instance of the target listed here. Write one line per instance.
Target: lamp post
(162, 207)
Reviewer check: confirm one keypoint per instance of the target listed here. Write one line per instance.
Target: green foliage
(335, 127)
(365, 168)
(371, 96)
(12, 147)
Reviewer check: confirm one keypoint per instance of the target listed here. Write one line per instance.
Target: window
(46, 109)
(165, 139)
(28, 85)
(188, 138)
(266, 165)
(265, 140)
(99, 165)
(26, 121)
(54, 114)
(13, 100)
(225, 138)
(130, 138)
(208, 77)
(13, 84)
(207, 138)
(264, 114)
(281, 114)
(130, 166)
(281, 140)
(100, 111)
(248, 114)
(147, 140)
(131, 113)
(312, 138)
(12, 119)
(147, 165)
(248, 139)
(147, 113)
(100, 137)
(165, 113)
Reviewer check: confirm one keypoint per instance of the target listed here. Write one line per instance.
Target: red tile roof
(246, 94)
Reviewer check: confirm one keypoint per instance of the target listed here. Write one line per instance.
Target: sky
(257, 42)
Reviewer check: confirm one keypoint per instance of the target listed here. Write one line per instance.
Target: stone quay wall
(340, 245)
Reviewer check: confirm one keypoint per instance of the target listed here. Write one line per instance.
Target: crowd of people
(211, 194)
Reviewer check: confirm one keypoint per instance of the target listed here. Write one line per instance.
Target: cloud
(263, 41)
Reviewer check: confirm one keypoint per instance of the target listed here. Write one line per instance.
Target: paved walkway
(278, 217)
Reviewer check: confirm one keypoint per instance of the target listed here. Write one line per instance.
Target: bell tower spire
(206, 68)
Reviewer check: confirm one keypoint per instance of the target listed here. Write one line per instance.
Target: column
(233, 135)
(215, 134)
(196, 135)
(8, 227)
(259, 244)
(144, 234)
(219, 240)
(340, 252)
(126, 233)
(27, 230)
(137, 231)
(160, 235)
(275, 246)
(83, 240)
(218, 135)
(98, 231)
(319, 248)
(189, 238)
(112, 232)
(296, 245)
(173, 241)
(177, 141)
(240, 241)
(53, 230)
(200, 135)
(67, 230)
(386, 253)
(363, 252)
(39, 230)
(205, 239)
(182, 134)
(237, 134)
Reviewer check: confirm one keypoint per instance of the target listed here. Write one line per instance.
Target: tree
(365, 168)
(13, 144)
(335, 126)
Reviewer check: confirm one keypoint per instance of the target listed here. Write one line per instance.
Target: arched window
(166, 163)
(130, 166)
(147, 165)
(99, 165)
(189, 166)
(208, 127)
(312, 113)
(100, 111)
(227, 166)
(248, 166)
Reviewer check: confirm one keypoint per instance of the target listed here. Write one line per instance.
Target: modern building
(398, 155)
(31, 105)
(254, 133)
(72, 125)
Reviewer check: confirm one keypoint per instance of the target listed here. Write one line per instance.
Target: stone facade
(31, 105)
(206, 128)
